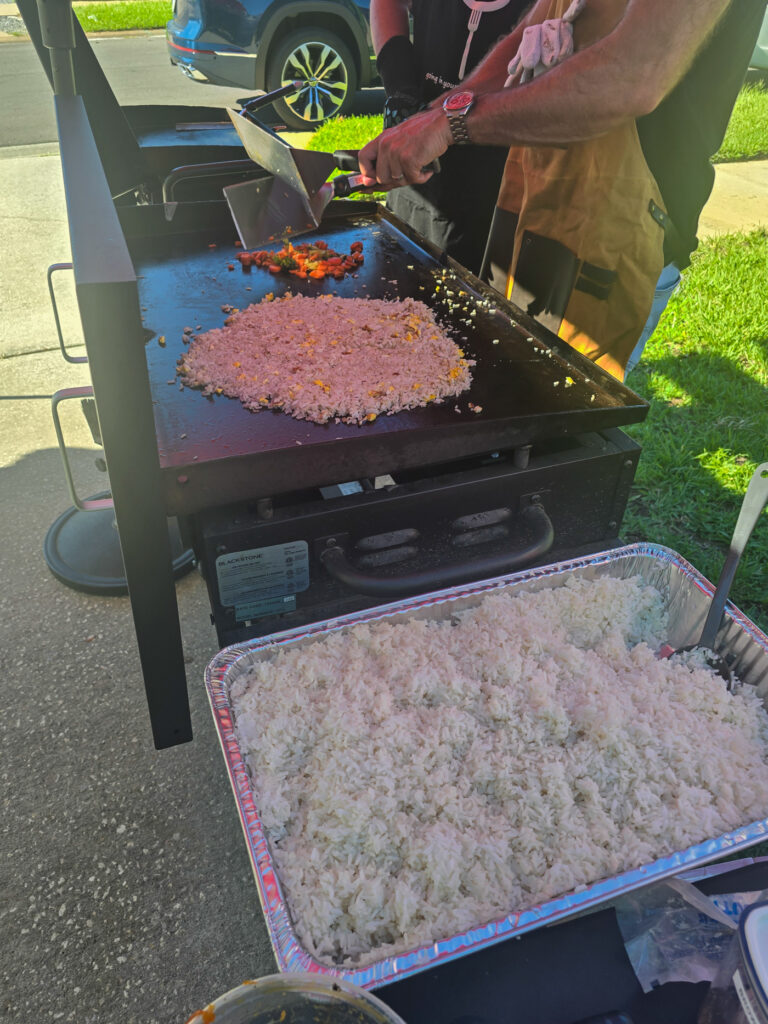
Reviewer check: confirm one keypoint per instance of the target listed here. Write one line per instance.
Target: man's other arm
(388, 18)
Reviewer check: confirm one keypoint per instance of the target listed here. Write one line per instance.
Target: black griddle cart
(292, 522)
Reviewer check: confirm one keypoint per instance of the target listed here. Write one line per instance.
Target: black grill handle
(484, 567)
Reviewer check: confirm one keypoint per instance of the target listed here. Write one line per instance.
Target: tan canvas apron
(576, 238)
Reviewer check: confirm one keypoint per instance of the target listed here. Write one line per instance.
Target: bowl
(301, 998)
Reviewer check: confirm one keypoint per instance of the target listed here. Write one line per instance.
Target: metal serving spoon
(751, 508)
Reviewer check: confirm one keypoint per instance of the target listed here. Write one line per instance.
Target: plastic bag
(672, 932)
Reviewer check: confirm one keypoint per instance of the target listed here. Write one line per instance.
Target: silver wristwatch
(457, 107)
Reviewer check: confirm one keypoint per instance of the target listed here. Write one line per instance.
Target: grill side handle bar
(541, 536)
(86, 504)
(62, 345)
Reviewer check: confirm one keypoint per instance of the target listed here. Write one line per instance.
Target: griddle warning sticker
(263, 581)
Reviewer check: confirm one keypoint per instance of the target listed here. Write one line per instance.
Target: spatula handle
(346, 184)
(754, 502)
(346, 159)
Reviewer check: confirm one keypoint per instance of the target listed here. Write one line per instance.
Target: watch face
(458, 100)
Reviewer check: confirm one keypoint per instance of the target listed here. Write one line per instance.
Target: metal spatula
(304, 170)
(754, 502)
(266, 210)
(292, 202)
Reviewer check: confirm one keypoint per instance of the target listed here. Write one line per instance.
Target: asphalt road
(139, 72)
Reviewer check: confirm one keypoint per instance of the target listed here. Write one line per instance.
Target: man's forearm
(388, 18)
(622, 76)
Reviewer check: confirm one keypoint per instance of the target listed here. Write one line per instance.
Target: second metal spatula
(267, 209)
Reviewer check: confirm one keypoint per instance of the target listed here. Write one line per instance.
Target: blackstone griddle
(526, 465)
(527, 385)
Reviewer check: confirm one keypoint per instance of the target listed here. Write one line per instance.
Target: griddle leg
(147, 559)
(113, 335)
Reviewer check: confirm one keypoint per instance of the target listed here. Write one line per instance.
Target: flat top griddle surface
(526, 383)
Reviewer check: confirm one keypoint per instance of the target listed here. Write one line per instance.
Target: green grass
(747, 135)
(348, 133)
(124, 15)
(705, 373)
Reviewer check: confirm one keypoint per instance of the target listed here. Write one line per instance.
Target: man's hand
(400, 155)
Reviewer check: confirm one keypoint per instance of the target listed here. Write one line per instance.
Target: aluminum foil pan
(687, 594)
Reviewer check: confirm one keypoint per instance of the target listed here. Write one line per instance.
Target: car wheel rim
(324, 79)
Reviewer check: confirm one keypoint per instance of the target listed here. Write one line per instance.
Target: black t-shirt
(453, 209)
(688, 127)
(441, 31)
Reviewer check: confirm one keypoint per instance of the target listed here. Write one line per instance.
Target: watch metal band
(459, 130)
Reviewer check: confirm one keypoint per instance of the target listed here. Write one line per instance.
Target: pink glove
(543, 46)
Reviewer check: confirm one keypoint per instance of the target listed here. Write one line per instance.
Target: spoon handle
(754, 502)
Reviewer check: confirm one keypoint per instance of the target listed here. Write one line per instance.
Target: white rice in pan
(418, 779)
(323, 358)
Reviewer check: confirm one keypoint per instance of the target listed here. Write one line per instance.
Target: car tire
(322, 60)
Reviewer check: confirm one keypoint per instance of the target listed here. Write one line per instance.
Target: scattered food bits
(309, 260)
(212, 245)
(230, 266)
(161, 341)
